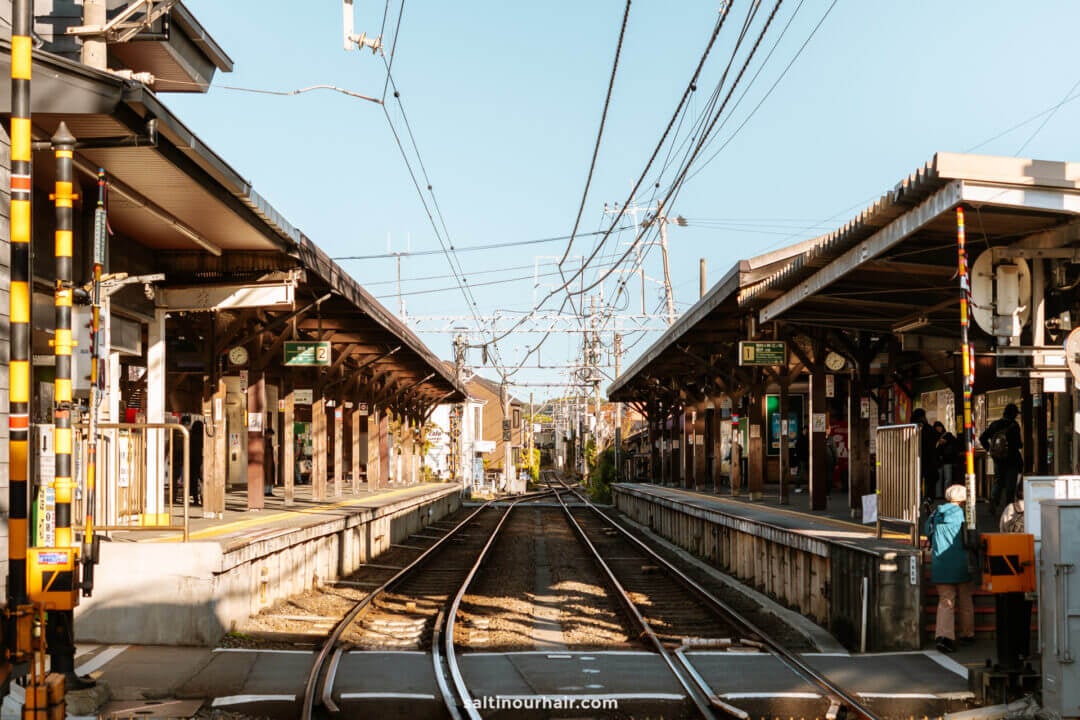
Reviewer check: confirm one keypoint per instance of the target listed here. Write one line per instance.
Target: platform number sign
(305, 353)
(758, 352)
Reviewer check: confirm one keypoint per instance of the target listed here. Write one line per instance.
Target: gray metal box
(1059, 606)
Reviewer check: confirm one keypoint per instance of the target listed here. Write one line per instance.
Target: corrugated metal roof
(818, 251)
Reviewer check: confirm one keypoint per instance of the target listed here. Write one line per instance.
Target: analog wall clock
(238, 355)
(835, 361)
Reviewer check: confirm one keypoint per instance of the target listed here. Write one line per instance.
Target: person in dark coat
(196, 465)
(802, 453)
(1007, 467)
(269, 463)
(928, 454)
(946, 459)
(949, 571)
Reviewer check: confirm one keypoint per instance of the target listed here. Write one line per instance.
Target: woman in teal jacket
(949, 571)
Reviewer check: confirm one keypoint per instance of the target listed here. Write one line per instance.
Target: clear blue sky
(504, 99)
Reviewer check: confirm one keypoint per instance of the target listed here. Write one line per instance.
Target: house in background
(482, 447)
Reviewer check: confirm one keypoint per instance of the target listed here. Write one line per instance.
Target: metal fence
(122, 497)
(898, 481)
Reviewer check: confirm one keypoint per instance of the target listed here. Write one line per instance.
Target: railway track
(415, 609)
(666, 613)
(675, 614)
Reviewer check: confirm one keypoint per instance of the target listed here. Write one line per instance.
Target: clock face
(835, 361)
(238, 355)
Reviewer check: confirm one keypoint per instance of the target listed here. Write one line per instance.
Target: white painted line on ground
(597, 697)
(839, 654)
(258, 650)
(244, 699)
(87, 649)
(588, 656)
(899, 696)
(559, 657)
(948, 663)
(396, 652)
(760, 695)
(386, 696)
(100, 660)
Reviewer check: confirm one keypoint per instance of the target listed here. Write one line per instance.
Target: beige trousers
(953, 601)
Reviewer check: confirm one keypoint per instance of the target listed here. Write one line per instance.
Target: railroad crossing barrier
(122, 501)
(898, 481)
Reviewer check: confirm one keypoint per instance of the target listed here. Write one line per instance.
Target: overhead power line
(468, 248)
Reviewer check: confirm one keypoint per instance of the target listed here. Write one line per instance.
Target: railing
(121, 500)
(898, 481)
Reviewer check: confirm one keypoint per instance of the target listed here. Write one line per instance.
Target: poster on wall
(794, 420)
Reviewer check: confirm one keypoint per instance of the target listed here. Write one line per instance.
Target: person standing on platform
(195, 468)
(802, 455)
(946, 459)
(269, 463)
(1002, 442)
(1012, 609)
(928, 453)
(949, 571)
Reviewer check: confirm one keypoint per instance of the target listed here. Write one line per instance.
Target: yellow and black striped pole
(60, 625)
(19, 359)
(63, 146)
(968, 359)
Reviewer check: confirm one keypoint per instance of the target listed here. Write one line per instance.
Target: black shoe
(945, 645)
(966, 640)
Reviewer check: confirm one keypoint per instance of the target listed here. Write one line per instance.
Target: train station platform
(866, 591)
(153, 588)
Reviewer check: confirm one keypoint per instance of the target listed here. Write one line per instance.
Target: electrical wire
(677, 183)
(599, 137)
(772, 87)
(469, 248)
(656, 151)
(1048, 118)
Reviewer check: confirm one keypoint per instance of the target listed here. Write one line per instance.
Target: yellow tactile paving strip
(238, 526)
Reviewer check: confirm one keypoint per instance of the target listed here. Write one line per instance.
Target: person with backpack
(1002, 443)
(949, 572)
(946, 456)
(928, 453)
(1012, 609)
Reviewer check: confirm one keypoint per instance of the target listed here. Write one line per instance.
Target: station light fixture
(910, 324)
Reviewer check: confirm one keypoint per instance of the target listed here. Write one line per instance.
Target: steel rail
(450, 657)
(688, 684)
(833, 693)
(312, 692)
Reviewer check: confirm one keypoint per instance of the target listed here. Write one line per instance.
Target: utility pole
(669, 298)
(507, 435)
(618, 407)
(457, 452)
(531, 429)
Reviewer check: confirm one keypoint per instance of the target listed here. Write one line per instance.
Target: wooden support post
(819, 480)
(319, 449)
(859, 442)
(214, 449)
(785, 464)
(374, 461)
(385, 448)
(288, 435)
(354, 454)
(699, 449)
(756, 453)
(339, 446)
(256, 406)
